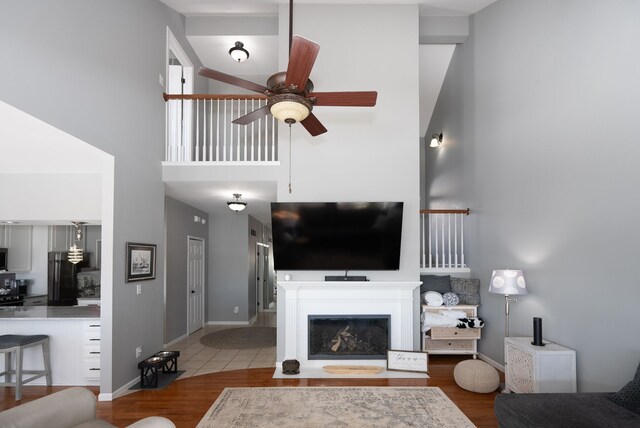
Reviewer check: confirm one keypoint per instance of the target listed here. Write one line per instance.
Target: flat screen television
(336, 235)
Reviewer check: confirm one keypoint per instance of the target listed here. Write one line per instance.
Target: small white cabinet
(451, 340)
(534, 369)
(91, 349)
(18, 239)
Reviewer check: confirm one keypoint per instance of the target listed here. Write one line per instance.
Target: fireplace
(348, 337)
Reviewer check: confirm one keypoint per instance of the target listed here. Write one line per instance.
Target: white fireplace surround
(304, 298)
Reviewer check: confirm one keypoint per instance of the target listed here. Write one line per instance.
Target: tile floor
(196, 359)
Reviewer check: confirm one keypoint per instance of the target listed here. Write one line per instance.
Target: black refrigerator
(62, 289)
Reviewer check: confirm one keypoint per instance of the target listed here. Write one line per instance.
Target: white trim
(188, 75)
(222, 163)
(204, 260)
(491, 362)
(173, 342)
(120, 391)
(227, 322)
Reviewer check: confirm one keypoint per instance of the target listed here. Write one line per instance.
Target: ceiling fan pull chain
(290, 160)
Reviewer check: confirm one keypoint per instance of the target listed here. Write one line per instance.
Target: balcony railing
(199, 129)
(442, 242)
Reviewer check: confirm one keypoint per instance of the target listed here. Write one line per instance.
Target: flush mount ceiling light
(237, 205)
(238, 52)
(436, 140)
(75, 252)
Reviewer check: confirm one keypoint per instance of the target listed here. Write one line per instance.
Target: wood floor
(186, 401)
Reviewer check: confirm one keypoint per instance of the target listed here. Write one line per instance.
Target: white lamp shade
(75, 254)
(284, 110)
(237, 206)
(239, 55)
(507, 281)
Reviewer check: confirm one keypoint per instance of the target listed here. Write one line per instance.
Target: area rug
(312, 407)
(241, 338)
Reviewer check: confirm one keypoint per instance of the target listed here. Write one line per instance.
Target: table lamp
(508, 282)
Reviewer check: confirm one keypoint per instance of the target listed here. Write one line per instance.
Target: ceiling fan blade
(344, 99)
(232, 80)
(313, 125)
(303, 56)
(254, 115)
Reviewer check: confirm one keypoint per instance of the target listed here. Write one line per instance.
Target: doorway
(264, 278)
(195, 284)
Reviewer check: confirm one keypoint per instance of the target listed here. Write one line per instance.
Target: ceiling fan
(290, 96)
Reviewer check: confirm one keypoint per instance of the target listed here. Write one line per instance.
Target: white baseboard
(227, 322)
(124, 389)
(491, 362)
(173, 342)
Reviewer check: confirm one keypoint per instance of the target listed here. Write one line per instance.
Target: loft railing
(442, 242)
(199, 129)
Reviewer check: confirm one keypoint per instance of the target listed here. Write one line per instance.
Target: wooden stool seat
(10, 343)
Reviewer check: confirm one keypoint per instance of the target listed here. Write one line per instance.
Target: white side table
(530, 368)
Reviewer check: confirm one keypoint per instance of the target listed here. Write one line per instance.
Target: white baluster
(253, 133)
(449, 237)
(435, 217)
(246, 129)
(455, 238)
(462, 243)
(423, 259)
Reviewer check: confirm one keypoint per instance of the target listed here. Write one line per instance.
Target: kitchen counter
(49, 312)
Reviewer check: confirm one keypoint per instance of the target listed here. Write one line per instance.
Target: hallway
(197, 359)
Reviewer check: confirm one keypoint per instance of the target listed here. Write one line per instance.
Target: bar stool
(10, 343)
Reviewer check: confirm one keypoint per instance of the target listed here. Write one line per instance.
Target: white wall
(541, 105)
(368, 154)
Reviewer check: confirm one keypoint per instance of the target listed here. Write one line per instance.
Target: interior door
(195, 285)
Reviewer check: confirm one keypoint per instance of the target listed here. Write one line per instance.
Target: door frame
(188, 290)
(187, 72)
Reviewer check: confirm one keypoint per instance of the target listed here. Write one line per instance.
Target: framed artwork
(141, 262)
(407, 361)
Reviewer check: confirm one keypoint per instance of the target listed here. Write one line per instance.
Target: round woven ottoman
(476, 376)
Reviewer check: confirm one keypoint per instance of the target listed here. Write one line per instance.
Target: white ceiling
(427, 7)
(212, 50)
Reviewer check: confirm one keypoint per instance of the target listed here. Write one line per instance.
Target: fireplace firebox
(349, 337)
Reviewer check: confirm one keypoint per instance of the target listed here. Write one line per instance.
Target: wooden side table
(533, 369)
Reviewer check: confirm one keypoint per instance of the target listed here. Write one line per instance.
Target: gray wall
(179, 226)
(540, 116)
(228, 273)
(91, 69)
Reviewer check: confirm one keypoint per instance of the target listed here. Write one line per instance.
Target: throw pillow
(450, 299)
(438, 283)
(433, 298)
(628, 397)
(468, 290)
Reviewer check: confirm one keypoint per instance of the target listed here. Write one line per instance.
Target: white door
(195, 285)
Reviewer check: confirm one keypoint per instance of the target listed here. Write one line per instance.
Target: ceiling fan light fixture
(237, 205)
(239, 53)
(289, 111)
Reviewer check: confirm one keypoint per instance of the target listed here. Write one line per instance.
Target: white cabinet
(451, 340)
(61, 237)
(91, 349)
(530, 368)
(18, 239)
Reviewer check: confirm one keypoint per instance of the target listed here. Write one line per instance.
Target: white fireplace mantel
(304, 298)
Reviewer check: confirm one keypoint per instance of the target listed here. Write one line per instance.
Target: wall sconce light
(436, 140)
(238, 52)
(237, 205)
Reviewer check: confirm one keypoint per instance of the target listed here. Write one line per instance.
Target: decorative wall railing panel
(213, 138)
(442, 239)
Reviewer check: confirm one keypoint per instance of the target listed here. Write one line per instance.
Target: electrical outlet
(138, 351)
(139, 289)
(235, 309)
(161, 80)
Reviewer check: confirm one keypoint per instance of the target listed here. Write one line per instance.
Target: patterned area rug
(312, 407)
(241, 338)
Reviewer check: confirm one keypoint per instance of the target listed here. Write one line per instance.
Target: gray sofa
(583, 410)
(72, 407)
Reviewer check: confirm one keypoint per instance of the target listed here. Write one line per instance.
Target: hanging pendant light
(75, 252)
(239, 53)
(237, 205)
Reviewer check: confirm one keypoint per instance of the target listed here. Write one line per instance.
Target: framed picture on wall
(141, 262)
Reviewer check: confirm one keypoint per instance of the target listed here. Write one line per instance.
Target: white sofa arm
(62, 409)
